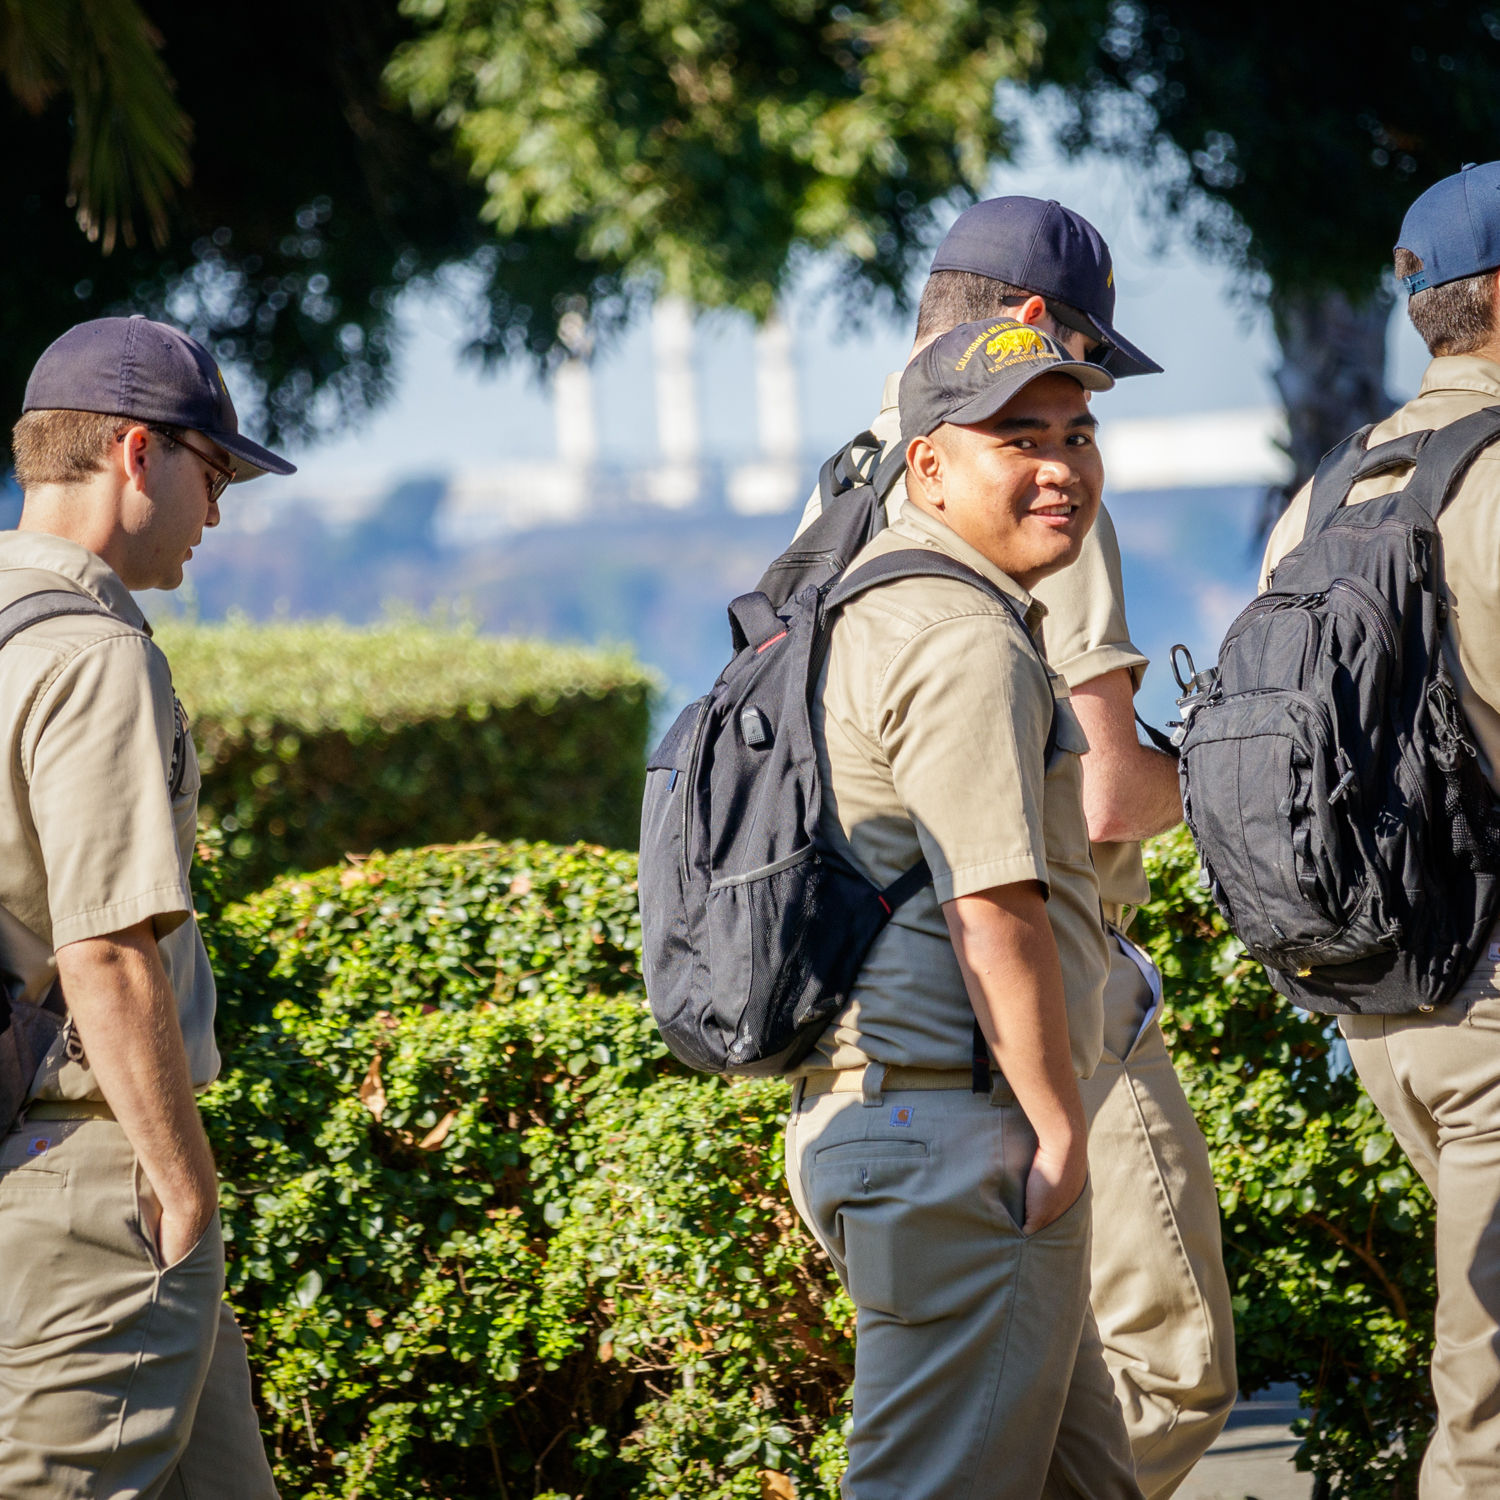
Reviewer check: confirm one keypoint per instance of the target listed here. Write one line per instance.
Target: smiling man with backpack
(1370, 890)
(958, 1217)
(1159, 1291)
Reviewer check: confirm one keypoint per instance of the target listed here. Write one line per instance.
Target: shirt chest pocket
(1070, 738)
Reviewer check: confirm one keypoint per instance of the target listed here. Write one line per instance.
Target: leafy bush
(317, 739)
(487, 1238)
(1327, 1227)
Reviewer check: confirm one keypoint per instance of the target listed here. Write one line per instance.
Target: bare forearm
(1009, 960)
(126, 1018)
(1130, 791)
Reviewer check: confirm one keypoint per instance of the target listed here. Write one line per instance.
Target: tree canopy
(1291, 139)
(698, 143)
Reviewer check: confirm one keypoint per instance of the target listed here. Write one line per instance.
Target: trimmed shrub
(318, 739)
(487, 1238)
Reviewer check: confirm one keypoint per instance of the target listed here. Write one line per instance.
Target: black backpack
(753, 930)
(1329, 779)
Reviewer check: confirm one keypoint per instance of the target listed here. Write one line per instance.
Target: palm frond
(130, 138)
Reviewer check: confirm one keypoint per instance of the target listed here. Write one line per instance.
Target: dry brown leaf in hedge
(775, 1486)
(439, 1132)
(372, 1090)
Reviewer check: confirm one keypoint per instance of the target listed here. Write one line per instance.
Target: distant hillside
(661, 580)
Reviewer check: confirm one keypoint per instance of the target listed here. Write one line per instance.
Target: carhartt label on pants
(1494, 953)
(38, 1145)
(902, 1114)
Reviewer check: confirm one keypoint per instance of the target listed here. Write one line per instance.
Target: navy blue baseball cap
(133, 367)
(1454, 227)
(1047, 249)
(973, 370)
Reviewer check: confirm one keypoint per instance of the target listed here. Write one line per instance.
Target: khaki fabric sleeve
(1086, 634)
(1286, 534)
(98, 757)
(962, 713)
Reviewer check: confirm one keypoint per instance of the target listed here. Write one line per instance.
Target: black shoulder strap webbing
(1442, 457)
(1446, 456)
(52, 604)
(919, 563)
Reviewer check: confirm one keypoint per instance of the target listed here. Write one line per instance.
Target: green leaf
(309, 1289)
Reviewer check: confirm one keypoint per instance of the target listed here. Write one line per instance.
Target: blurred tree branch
(130, 138)
(1289, 140)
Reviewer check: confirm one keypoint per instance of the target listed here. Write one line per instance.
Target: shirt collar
(85, 570)
(1461, 372)
(919, 526)
(890, 396)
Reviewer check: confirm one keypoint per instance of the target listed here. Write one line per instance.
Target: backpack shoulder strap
(1442, 457)
(52, 604)
(1447, 455)
(920, 563)
(46, 604)
(1343, 467)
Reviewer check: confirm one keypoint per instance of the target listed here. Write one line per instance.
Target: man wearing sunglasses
(1160, 1295)
(125, 1372)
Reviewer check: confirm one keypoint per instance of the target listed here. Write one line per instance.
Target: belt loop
(798, 1084)
(1001, 1094)
(872, 1083)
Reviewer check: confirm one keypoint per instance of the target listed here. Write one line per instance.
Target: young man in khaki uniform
(1160, 1295)
(124, 1372)
(959, 1220)
(1436, 1077)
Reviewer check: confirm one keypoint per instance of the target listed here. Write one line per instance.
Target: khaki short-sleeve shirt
(92, 840)
(1084, 637)
(1454, 386)
(931, 718)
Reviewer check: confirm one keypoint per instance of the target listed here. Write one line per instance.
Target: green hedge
(319, 739)
(554, 1263)
(557, 1264)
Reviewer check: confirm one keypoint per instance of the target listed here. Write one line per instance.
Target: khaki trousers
(1436, 1079)
(118, 1377)
(977, 1373)
(1160, 1294)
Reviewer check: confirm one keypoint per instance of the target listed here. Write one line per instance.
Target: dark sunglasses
(222, 477)
(1104, 347)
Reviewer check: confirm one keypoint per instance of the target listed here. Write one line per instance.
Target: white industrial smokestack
(771, 484)
(677, 482)
(573, 398)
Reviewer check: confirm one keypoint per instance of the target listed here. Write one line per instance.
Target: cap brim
(987, 403)
(1124, 359)
(250, 459)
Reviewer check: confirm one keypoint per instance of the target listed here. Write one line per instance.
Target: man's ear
(1032, 310)
(924, 465)
(131, 450)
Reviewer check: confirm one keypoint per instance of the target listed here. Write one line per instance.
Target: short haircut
(954, 297)
(67, 447)
(1455, 318)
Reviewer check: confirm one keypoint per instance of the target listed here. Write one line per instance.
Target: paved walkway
(1252, 1459)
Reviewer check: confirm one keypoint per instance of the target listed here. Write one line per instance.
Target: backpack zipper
(1382, 612)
